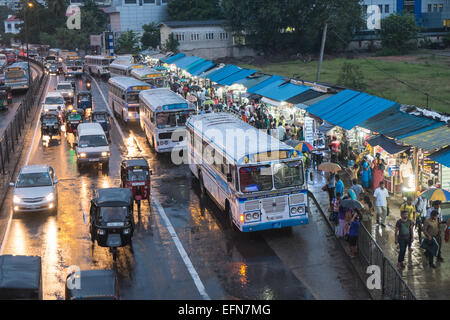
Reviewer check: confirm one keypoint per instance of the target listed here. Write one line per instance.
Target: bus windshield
(172, 119)
(54, 100)
(256, 178)
(133, 97)
(288, 174)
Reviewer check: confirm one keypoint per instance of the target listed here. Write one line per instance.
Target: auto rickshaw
(135, 175)
(4, 99)
(101, 116)
(84, 100)
(111, 221)
(92, 285)
(50, 125)
(73, 119)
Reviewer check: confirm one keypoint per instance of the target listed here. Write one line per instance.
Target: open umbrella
(196, 88)
(192, 98)
(434, 194)
(304, 147)
(292, 143)
(330, 167)
(208, 102)
(351, 204)
(176, 85)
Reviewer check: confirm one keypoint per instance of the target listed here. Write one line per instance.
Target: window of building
(429, 7)
(223, 36)
(179, 36)
(386, 8)
(9, 25)
(130, 1)
(441, 7)
(209, 36)
(435, 7)
(195, 36)
(165, 1)
(149, 1)
(381, 8)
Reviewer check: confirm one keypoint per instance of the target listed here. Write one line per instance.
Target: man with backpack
(404, 236)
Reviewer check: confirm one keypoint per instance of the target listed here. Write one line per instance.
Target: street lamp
(29, 5)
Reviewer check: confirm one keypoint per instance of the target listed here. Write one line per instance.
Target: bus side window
(224, 167)
(234, 176)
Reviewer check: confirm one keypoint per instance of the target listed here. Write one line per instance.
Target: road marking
(26, 163)
(187, 261)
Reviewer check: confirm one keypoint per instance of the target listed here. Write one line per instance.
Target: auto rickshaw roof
(84, 93)
(113, 197)
(93, 284)
(135, 163)
(19, 274)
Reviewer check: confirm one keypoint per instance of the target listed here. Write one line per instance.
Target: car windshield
(287, 174)
(113, 213)
(50, 120)
(133, 97)
(93, 141)
(172, 119)
(255, 178)
(84, 97)
(138, 175)
(64, 87)
(54, 100)
(37, 179)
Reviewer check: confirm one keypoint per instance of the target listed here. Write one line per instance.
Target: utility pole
(322, 48)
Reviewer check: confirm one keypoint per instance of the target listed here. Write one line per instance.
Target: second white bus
(98, 65)
(154, 78)
(117, 69)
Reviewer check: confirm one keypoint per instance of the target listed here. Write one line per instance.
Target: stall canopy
(282, 92)
(226, 71)
(349, 108)
(200, 68)
(389, 145)
(241, 74)
(325, 127)
(249, 82)
(265, 83)
(397, 124)
(185, 62)
(431, 139)
(174, 58)
(441, 156)
(305, 96)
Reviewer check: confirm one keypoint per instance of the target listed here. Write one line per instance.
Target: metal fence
(13, 135)
(392, 284)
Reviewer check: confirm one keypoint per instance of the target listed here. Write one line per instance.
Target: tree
(151, 36)
(128, 42)
(352, 77)
(171, 44)
(194, 9)
(4, 12)
(399, 32)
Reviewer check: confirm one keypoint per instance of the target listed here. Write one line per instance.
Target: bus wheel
(153, 144)
(229, 215)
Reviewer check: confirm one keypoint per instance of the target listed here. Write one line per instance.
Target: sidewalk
(425, 282)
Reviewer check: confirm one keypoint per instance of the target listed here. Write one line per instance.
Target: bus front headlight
(248, 216)
(294, 210)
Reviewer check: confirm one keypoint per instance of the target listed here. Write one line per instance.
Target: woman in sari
(378, 169)
(366, 173)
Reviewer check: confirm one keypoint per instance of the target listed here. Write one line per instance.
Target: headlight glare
(248, 216)
(50, 197)
(16, 199)
(82, 155)
(293, 210)
(105, 154)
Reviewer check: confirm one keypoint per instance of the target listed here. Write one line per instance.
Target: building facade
(12, 24)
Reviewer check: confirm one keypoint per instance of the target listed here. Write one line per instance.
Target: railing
(393, 287)
(10, 139)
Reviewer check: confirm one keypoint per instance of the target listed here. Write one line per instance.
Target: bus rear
(16, 77)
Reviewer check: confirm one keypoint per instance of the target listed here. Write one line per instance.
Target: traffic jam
(124, 182)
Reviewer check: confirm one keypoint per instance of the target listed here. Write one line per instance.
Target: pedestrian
(381, 194)
(431, 230)
(353, 171)
(344, 217)
(368, 209)
(331, 186)
(334, 147)
(335, 209)
(353, 235)
(281, 132)
(437, 208)
(366, 173)
(421, 213)
(339, 185)
(357, 188)
(377, 170)
(404, 236)
(406, 172)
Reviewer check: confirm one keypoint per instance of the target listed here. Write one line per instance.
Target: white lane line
(26, 163)
(187, 261)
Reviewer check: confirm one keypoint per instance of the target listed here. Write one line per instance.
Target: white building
(207, 39)
(133, 14)
(12, 24)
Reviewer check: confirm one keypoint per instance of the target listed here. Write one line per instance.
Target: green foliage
(446, 39)
(352, 77)
(387, 52)
(127, 43)
(399, 32)
(171, 44)
(4, 12)
(151, 36)
(295, 24)
(194, 10)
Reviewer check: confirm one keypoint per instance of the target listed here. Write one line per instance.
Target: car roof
(35, 168)
(64, 82)
(53, 94)
(113, 197)
(135, 162)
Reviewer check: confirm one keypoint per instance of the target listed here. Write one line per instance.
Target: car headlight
(126, 231)
(17, 199)
(101, 231)
(82, 155)
(50, 197)
(105, 154)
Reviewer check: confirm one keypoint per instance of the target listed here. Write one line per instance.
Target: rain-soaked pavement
(304, 263)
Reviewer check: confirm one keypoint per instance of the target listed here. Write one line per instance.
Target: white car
(66, 90)
(35, 189)
(53, 101)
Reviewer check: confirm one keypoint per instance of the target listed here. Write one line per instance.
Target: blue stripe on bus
(275, 224)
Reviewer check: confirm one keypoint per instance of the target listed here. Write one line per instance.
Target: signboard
(445, 179)
(270, 156)
(96, 40)
(140, 88)
(428, 165)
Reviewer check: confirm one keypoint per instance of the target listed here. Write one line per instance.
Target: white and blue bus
(16, 76)
(98, 65)
(257, 180)
(72, 64)
(154, 78)
(123, 97)
(163, 118)
(121, 68)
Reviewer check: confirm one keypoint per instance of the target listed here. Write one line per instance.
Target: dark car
(92, 285)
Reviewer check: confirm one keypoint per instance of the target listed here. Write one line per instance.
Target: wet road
(183, 246)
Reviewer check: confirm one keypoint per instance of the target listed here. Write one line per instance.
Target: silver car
(66, 90)
(35, 189)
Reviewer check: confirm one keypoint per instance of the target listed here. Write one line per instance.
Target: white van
(91, 145)
(54, 101)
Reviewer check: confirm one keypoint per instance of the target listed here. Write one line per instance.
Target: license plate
(274, 217)
(94, 159)
(138, 184)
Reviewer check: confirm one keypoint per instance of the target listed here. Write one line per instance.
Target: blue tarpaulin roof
(265, 83)
(185, 62)
(397, 124)
(430, 139)
(200, 68)
(226, 71)
(280, 92)
(251, 82)
(441, 156)
(228, 81)
(195, 64)
(174, 58)
(349, 108)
